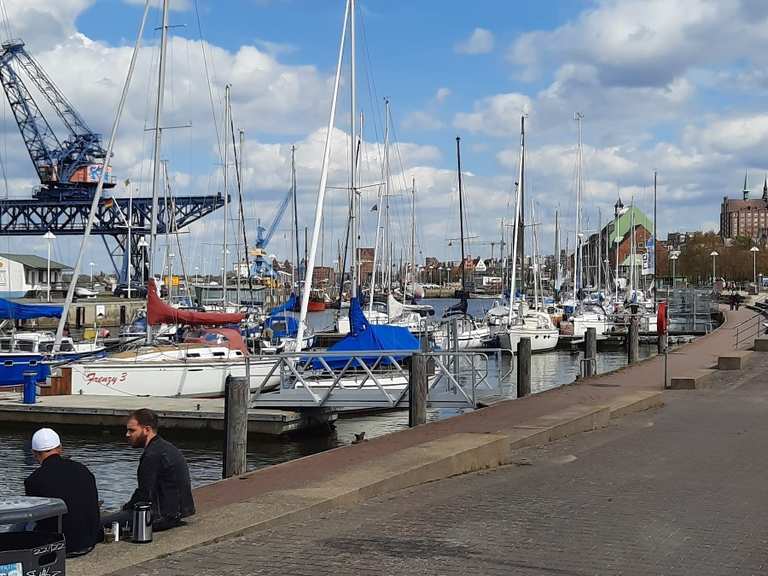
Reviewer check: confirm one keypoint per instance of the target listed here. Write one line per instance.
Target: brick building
(745, 217)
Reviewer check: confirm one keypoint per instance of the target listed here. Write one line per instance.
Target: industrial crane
(262, 266)
(69, 165)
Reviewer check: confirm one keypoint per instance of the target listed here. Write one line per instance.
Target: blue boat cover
(364, 336)
(13, 311)
(289, 305)
(282, 326)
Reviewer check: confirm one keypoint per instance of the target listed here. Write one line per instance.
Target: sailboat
(470, 333)
(521, 322)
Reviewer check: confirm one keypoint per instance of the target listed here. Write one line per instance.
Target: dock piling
(590, 353)
(417, 390)
(236, 399)
(633, 339)
(523, 367)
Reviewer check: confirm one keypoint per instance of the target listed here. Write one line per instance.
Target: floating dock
(179, 414)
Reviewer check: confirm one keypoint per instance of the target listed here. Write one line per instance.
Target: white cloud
(178, 5)
(479, 42)
(497, 115)
(442, 94)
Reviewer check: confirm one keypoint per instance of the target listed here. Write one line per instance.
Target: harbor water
(114, 462)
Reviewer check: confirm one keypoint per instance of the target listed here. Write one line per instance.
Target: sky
(677, 87)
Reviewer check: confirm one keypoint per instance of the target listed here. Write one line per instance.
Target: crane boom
(262, 239)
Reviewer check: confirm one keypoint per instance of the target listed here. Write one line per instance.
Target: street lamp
(754, 251)
(143, 244)
(714, 255)
(50, 237)
(673, 256)
(91, 264)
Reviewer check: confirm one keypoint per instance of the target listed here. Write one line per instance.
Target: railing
(376, 379)
(749, 329)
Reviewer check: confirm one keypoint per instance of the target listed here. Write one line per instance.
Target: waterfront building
(745, 217)
(27, 275)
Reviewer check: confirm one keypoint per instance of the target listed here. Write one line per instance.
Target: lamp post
(754, 251)
(618, 207)
(91, 264)
(49, 236)
(673, 256)
(714, 255)
(143, 244)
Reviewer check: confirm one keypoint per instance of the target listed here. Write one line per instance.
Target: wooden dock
(180, 414)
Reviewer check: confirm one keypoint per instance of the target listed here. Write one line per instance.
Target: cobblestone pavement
(679, 490)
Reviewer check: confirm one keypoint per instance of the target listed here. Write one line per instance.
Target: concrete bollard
(30, 387)
(236, 399)
(417, 390)
(633, 339)
(523, 367)
(590, 353)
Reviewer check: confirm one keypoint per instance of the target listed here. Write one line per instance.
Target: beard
(139, 441)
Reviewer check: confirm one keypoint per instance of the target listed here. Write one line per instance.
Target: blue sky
(658, 84)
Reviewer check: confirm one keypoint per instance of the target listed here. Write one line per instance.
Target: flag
(107, 203)
(375, 208)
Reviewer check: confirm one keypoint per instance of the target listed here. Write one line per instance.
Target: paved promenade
(676, 490)
(342, 479)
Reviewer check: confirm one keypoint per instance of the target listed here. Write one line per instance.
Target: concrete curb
(695, 380)
(451, 455)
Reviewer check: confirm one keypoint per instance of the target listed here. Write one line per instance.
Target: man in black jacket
(63, 478)
(163, 473)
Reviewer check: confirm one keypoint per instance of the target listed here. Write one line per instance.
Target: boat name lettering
(93, 378)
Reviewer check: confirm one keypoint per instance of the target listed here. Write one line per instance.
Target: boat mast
(599, 249)
(379, 207)
(158, 142)
(520, 230)
(413, 241)
(535, 258)
(353, 144)
(323, 185)
(226, 197)
(516, 242)
(654, 235)
(295, 216)
(576, 254)
(461, 216)
(100, 186)
(557, 253)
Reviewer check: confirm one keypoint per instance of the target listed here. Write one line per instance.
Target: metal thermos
(142, 523)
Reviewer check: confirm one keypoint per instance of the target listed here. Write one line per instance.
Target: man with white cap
(72, 482)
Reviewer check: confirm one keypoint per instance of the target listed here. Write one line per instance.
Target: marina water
(114, 462)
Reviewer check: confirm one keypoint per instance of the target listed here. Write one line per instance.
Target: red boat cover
(158, 312)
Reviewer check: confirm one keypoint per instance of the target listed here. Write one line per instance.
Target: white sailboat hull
(541, 340)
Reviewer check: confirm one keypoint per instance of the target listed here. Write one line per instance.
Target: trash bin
(24, 553)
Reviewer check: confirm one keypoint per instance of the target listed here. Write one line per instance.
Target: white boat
(589, 316)
(471, 334)
(537, 326)
(187, 370)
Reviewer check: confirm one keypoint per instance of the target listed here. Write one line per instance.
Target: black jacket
(69, 480)
(164, 481)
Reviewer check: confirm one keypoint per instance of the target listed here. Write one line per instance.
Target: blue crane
(69, 166)
(262, 266)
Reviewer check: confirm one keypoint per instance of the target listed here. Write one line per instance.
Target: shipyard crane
(262, 266)
(68, 165)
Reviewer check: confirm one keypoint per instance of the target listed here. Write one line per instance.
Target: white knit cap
(45, 439)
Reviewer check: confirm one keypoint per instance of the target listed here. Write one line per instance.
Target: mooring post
(417, 390)
(590, 352)
(523, 367)
(236, 390)
(633, 339)
(30, 387)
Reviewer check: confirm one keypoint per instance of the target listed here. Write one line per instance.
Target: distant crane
(69, 170)
(262, 266)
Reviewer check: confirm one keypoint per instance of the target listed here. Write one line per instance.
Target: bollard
(30, 387)
(236, 398)
(590, 352)
(417, 390)
(523, 367)
(633, 340)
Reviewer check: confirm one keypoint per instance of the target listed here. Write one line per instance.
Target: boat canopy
(364, 336)
(15, 311)
(158, 312)
(287, 306)
(282, 326)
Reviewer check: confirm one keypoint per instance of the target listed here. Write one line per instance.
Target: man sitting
(163, 475)
(72, 482)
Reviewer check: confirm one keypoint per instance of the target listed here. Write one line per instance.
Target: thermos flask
(142, 523)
